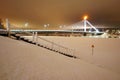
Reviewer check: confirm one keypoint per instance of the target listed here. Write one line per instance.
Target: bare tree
(1, 24)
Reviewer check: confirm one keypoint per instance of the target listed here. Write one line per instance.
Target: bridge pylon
(86, 22)
(83, 26)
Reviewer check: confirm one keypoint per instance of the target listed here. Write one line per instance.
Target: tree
(1, 24)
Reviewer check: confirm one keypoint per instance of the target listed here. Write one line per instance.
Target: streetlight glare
(85, 17)
(45, 25)
(26, 24)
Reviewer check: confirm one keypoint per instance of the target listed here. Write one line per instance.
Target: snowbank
(24, 61)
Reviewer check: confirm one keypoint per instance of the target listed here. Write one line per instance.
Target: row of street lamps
(45, 25)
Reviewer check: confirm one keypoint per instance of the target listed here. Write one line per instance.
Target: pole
(92, 49)
(33, 35)
(36, 38)
(85, 25)
(8, 27)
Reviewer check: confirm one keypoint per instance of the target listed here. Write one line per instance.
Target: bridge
(19, 34)
(82, 27)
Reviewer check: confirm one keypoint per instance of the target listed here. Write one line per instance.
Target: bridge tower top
(85, 25)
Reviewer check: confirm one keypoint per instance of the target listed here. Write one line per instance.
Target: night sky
(40, 12)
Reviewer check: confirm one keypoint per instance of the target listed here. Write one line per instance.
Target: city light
(26, 24)
(85, 17)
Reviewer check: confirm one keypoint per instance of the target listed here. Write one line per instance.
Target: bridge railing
(48, 44)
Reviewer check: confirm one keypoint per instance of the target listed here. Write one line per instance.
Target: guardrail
(33, 37)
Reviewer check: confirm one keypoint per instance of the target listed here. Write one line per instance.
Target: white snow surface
(23, 61)
(106, 51)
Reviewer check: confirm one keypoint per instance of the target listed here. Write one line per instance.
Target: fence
(47, 43)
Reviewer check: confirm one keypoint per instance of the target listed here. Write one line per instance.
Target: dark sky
(61, 11)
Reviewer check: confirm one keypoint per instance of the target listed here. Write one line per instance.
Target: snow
(24, 61)
(106, 52)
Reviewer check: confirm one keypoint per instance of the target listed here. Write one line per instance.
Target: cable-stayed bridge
(83, 27)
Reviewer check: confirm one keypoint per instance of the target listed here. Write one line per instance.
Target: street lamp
(46, 25)
(60, 27)
(85, 17)
(26, 24)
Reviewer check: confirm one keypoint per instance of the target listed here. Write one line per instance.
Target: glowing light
(45, 25)
(85, 17)
(26, 24)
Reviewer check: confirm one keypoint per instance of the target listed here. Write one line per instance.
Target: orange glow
(85, 17)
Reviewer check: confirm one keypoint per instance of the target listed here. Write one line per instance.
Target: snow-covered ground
(24, 61)
(106, 51)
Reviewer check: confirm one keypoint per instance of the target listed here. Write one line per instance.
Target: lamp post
(8, 27)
